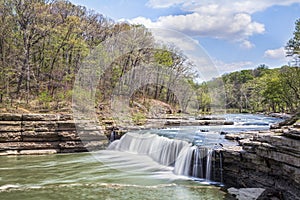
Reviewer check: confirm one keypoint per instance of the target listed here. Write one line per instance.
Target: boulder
(246, 193)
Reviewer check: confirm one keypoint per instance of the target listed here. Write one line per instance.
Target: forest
(44, 42)
(259, 90)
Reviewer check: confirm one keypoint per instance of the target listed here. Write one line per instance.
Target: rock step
(37, 133)
(293, 133)
(28, 152)
(296, 125)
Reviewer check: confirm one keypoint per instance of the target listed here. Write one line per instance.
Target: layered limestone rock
(267, 159)
(47, 134)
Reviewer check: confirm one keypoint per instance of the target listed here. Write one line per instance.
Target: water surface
(84, 176)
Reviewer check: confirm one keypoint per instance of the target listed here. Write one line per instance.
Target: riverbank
(267, 159)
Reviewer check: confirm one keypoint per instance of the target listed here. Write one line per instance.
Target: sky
(236, 34)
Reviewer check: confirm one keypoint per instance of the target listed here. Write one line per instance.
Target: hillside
(260, 90)
(43, 45)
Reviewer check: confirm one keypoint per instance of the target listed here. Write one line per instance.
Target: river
(112, 174)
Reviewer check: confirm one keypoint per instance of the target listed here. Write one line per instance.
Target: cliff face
(268, 159)
(46, 134)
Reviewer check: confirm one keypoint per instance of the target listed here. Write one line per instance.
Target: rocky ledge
(266, 159)
(27, 134)
(161, 122)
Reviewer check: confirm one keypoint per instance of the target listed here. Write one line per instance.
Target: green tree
(293, 45)
(42, 43)
(272, 92)
(290, 81)
(7, 49)
(30, 22)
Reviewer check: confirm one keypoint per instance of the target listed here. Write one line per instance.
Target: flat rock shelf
(30, 134)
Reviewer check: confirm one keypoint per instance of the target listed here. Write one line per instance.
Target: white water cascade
(186, 159)
(208, 164)
(161, 149)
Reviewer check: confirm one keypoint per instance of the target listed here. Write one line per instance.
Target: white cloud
(278, 54)
(142, 20)
(222, 19)
(234, 66)
(164, 3)
(223, 6)
(238, 27)
(247, 44)
(174, 38)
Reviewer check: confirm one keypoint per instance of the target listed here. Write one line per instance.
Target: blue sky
(236, 34)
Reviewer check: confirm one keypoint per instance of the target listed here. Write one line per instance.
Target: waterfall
(183, 162)
(194, 161)
(161, 149)
(186, 159)
(208, 164)
(197, 166)
(112, 136)
(221, 168)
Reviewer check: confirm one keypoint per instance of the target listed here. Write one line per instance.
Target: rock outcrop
(246, 193)
(267, 159)
(47, 134)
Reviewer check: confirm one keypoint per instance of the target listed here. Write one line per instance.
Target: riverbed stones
(47, 134)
